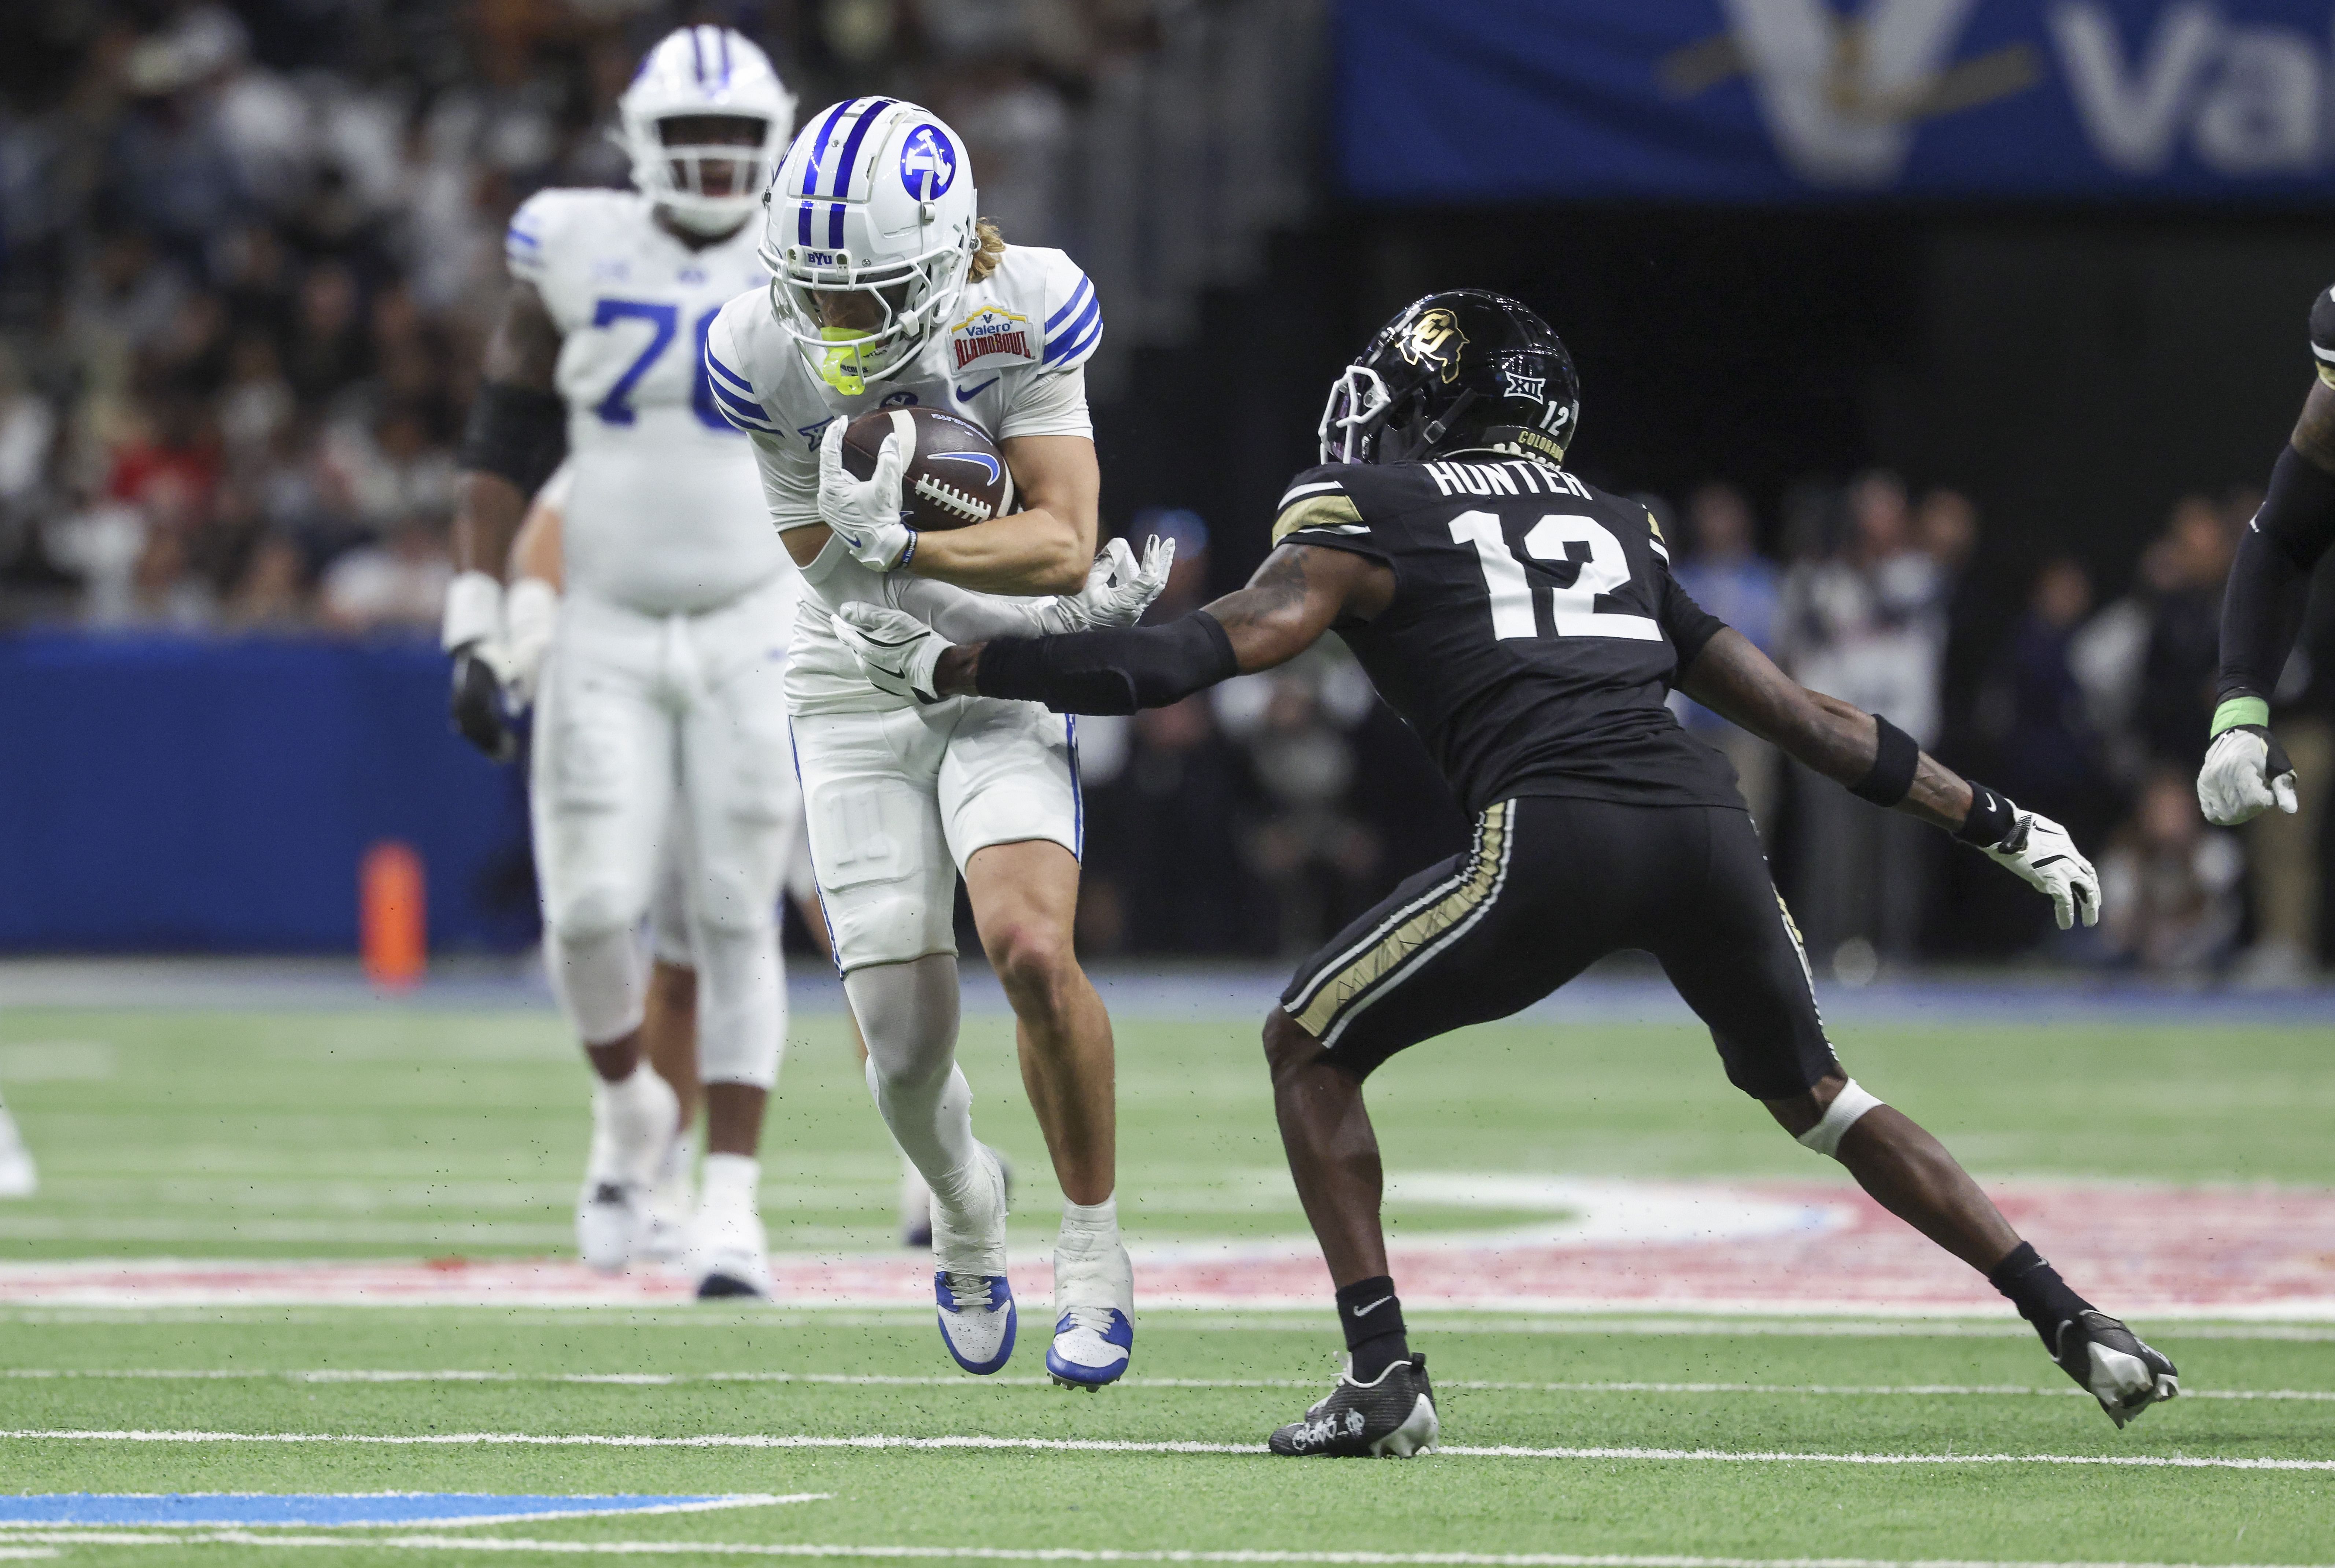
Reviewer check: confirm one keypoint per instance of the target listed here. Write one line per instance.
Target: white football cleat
(974, 1299)
(1094, 1316)
(630, 1128)
(729, 1252)
(19, 1178)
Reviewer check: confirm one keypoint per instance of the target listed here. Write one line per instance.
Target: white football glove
(531, 614)
(2042, 854)
(2246, 774)
(864, 513)
(1118, 589)
(897, 652)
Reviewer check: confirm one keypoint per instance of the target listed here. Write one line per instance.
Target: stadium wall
(181, 794)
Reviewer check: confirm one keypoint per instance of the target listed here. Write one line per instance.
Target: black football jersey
(1535, 630)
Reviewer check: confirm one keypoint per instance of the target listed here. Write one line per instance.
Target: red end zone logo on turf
(989, 332)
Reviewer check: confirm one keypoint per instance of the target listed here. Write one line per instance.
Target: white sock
(638, 1122)
(1089, 1227)
(731, 1180)
(635, 1107)
(907, 1014)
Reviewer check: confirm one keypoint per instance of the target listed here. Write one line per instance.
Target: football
(954, 475)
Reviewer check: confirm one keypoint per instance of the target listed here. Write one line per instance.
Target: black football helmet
(1462, 368)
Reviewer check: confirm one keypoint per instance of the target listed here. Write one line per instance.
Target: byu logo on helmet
(927, 162)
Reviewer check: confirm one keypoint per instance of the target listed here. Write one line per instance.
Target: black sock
(1372, 1319)
(2036, 1289)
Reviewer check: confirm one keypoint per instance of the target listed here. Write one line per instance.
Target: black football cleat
(1392, 1417)
(2114, 1365)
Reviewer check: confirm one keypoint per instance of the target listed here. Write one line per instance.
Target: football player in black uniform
(1527, 627)
(2247, 769)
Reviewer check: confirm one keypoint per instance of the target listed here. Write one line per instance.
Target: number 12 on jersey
(1573, 611)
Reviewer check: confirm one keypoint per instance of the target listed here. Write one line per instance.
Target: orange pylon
(392, 916)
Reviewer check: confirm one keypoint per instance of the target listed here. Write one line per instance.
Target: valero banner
(1790, 100)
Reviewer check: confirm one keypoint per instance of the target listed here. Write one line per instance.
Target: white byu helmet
(708, 186)
(871, 227)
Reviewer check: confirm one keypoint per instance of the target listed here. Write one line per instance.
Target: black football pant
(1550, 886)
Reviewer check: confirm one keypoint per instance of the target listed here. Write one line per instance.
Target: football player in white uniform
(663, 684)
(890, 292)
(669, 1003)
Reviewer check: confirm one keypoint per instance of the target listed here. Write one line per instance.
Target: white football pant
(639, 718)
(897, 801)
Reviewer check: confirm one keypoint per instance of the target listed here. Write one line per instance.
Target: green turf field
(411, 1132)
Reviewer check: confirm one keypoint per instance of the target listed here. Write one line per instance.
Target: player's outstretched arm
(2246, 771)
(517, 434)
(1294, 597)
(1874, 758)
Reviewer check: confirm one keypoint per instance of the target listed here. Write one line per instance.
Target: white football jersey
(1011, 360)
(664, 514)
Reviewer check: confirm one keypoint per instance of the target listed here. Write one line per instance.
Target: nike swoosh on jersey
(966, 395)
(1374, 1306)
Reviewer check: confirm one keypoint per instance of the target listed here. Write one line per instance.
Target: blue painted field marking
(249, 1509)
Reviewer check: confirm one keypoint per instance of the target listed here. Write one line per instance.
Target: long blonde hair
(988, 253)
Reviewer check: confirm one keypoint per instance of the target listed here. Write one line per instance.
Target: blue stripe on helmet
(521, 237)
(1077, 295)
(835, 226)
(721, 34)
(723, 372)
(819, 151)
(802, 229)
(1062, 344)
(696, 55)
(851, 145)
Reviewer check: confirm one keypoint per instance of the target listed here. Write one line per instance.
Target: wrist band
(908, 555)
(1894, 760)
(2236, 711)
(1990, 820)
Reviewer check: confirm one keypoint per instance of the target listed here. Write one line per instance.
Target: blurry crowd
(250, 252)
(2083, 694)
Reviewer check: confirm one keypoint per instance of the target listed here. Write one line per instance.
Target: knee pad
(593, 911)
(597, 982)
(1851, 1103)
(741, 1005)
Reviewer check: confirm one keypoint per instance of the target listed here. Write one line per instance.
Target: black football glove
(476, 705)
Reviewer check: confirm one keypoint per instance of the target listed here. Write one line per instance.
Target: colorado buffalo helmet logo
(1434, 341)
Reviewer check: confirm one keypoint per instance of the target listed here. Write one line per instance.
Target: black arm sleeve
(1688, 625)
(516, 432)
(2270, 578)
(1116, 671)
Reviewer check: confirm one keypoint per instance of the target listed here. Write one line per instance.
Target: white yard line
(484, 1544)
(888, 1380)
(1116, 1446)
